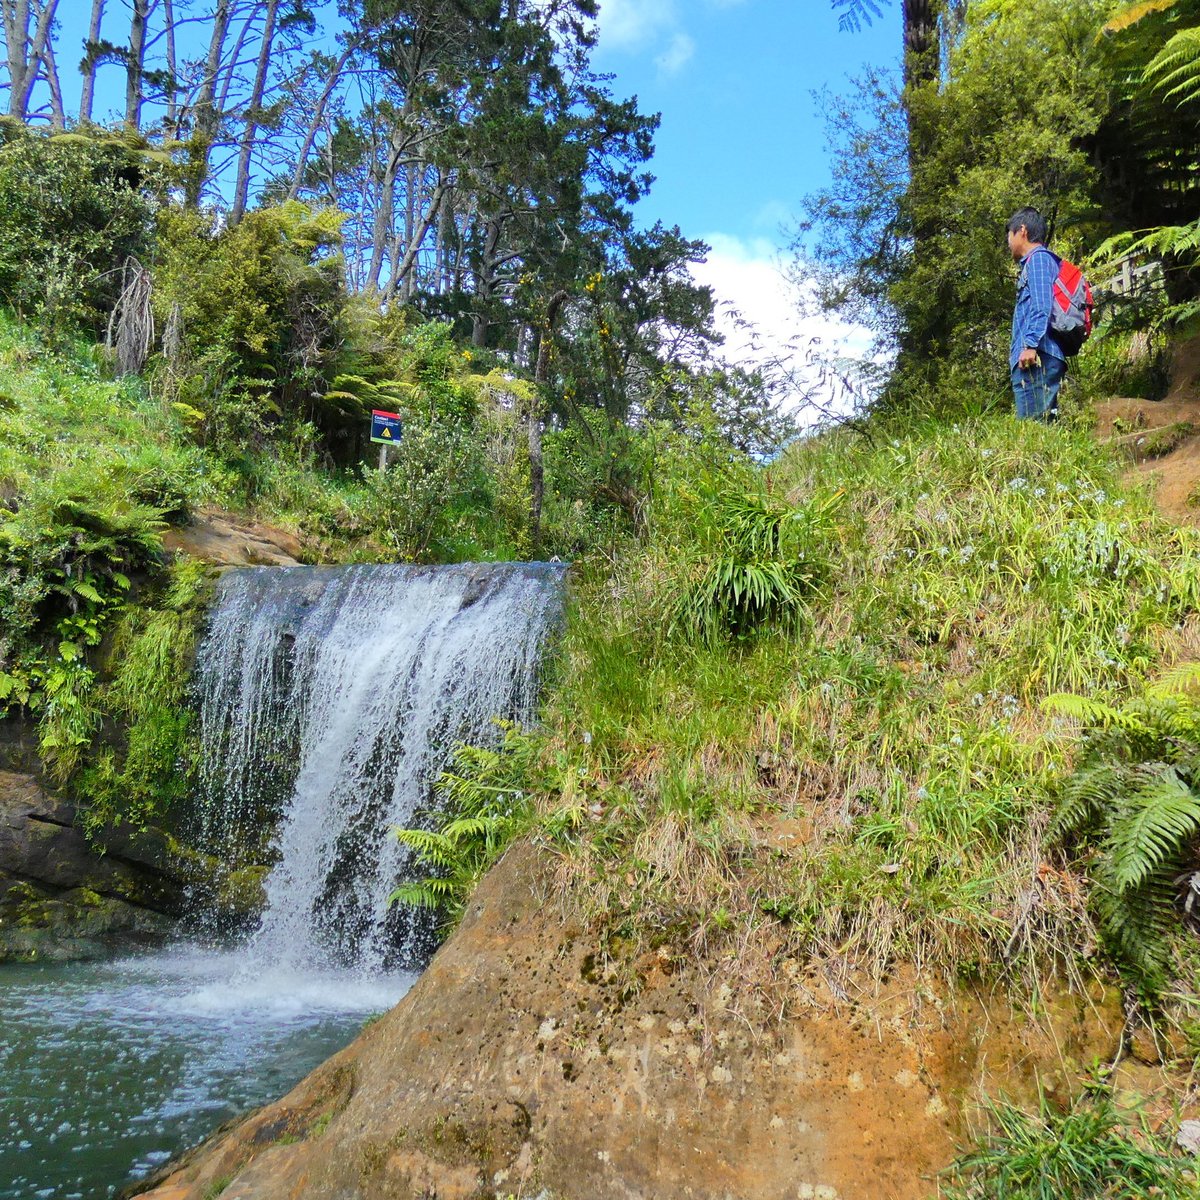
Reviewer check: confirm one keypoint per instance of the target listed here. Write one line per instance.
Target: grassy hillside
(804, 720)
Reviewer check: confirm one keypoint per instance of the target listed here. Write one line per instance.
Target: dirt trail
(1162, 438)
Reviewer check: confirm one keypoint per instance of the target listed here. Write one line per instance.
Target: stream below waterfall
(110, 1069)
(330, 700)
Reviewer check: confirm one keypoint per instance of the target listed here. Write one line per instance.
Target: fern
(1155, 825)
(1133, 803)
(1133, 13)
(1093, 712)
(1175, 70)
(488, 804)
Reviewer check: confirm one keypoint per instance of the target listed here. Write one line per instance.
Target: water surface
(109, 1069)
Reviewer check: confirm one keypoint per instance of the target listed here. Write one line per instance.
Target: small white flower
(922, 793)
(987, 453)
(956, 740)
(1018, 484)
(1039, 492)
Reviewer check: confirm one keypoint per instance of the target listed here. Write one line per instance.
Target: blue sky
(742, 140)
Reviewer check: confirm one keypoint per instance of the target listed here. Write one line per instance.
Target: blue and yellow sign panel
(385, 428)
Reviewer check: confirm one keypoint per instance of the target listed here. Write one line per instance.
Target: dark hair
(1034, 222)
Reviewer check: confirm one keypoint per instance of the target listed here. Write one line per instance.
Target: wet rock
(225, 539)
(59, 898)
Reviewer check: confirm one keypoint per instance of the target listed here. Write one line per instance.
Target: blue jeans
(1036, 389)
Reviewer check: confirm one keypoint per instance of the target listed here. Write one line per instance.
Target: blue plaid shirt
(1031, 316)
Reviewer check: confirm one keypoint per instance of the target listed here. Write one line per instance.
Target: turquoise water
(107, 1070)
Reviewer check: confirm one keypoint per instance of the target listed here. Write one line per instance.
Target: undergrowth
(859, 771)
(1084, 1152)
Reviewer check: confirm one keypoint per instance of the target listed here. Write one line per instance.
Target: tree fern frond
(855, 14)
(1137, 925)
(1086, 795)
(1149, 835)
(1179, 680)
(1175, 70)
(1133, 13)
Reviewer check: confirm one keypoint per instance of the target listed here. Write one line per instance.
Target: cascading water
(331, 699)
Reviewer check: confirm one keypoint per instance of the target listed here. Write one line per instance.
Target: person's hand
(1029, 358)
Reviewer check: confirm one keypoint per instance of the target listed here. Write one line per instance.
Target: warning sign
(385, 428)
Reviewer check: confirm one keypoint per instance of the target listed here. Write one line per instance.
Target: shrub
(73, 207)
(254, 313)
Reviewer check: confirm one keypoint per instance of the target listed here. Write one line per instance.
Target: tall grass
(872, 783)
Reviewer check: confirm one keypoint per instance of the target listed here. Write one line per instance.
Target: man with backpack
(1036, 360)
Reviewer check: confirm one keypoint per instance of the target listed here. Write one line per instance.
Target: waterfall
(331, 698)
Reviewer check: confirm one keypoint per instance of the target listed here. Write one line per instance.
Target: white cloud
(636, 24)
(678, 51)
(747, 277)
(655, 27)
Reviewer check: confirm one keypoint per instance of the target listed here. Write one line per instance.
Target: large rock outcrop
(525, 1064)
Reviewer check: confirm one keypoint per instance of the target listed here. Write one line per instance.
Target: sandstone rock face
(59, 899)
(522, 1064)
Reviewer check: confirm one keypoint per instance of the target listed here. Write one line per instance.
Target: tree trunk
(541, 380)
(135, 64)
(24, 56)
(205, 125)
(310, 134)
(486, 285)
(409, 261)
(235, 59)
(58, 116)
(172, 122)
(241, 188)
(382, 228)
(90, 65)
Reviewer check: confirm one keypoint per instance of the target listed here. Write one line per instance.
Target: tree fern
(1154, 825)
(1131, 14)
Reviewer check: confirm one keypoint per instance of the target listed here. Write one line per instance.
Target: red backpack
(1071, 308)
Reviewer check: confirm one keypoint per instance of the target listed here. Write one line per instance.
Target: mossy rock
(39, 925)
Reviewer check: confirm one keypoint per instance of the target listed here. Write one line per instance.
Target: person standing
(1036, 362)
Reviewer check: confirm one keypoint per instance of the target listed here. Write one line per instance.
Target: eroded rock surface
(523, 1063)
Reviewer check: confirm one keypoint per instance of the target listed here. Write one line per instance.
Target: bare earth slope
(1163, 437)
(522, 1065)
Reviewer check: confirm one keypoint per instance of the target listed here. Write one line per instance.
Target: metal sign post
(386, 431)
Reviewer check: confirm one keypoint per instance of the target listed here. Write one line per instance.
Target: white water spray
(331, 700)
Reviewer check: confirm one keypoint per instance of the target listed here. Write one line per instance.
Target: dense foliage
(1062, 106)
